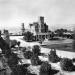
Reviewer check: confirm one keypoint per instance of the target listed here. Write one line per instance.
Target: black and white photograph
(37, 37)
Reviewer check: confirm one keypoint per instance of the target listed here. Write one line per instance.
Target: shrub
(28, 36)
(18, 43)
(29, 73)
(28, 54)
(13, 59)
(23, 49)
(53, 56)
(36, 50)
(35, 60)
(29, 48)
(8, 53)
(13, 43)
(19, 69)
(73, 59)
(66, 64)
(46, 69)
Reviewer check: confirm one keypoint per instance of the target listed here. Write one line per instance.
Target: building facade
(23, 29)
(6, 36)
(40, 29)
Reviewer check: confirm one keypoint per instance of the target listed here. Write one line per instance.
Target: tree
(13, 43)
(28, 54)
(18, 43)
(5, 47)
(53, 57)
(20, 69)
(35, 60)
(46, 69)
(52, 35)
(28, 36)
(36, 50)
(13, 59)
(60, 31)
(66, 64)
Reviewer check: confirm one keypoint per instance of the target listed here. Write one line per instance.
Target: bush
(53, 56)
(66, 64)
(8, 53)
(28, 36)
(28, 54)
(29, 73)
(13, 59)
(29, 48)
(23, 49)
(36, 50)
(73, 59)
(18, 43)
(46, 69)
(13, 43)
(35, 60)
(19, 69)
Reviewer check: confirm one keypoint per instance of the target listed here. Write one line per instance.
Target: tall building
(39, 28)
(23, 29)
(6, 36)
(0, 33)
(41, 24)
(34, 27)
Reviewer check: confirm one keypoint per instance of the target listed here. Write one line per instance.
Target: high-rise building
(23, 29)
(6, 36)
(41, 24)
(39, 28)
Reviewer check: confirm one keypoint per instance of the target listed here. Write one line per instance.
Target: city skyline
(56, 13)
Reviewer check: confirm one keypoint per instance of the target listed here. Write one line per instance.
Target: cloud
(14, 12)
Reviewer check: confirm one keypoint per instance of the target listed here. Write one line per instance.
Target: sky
(57, 13)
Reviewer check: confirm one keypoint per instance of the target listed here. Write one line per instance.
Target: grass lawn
(65, 45)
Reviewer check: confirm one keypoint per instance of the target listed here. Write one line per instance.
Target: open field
(60, 41)
(59, 45)
(65, 45)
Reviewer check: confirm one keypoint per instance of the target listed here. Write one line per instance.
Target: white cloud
(14, 12)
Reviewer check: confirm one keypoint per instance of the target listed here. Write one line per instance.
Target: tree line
(28, 36)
